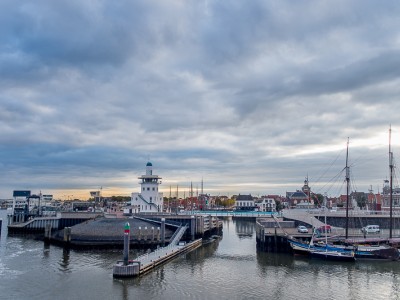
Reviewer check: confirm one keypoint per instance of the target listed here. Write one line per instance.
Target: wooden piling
(47, 232)
(67, 234)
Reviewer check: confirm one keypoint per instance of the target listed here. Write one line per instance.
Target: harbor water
(230, 268)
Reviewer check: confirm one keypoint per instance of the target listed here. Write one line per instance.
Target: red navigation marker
(127, 228)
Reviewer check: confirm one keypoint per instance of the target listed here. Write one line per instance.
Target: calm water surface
(229, 269)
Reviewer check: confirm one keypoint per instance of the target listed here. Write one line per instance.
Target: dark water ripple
(229, 269)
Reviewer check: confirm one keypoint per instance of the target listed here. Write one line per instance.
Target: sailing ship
(350, 249)
(331, 254)
(321, 251)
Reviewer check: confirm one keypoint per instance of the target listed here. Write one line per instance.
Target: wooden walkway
(148, 261)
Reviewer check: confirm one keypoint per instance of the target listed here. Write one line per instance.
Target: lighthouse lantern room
(149, 199)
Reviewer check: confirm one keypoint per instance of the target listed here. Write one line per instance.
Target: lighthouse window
(148, 189)
(153, 189)
(143, 189)
(151, 199)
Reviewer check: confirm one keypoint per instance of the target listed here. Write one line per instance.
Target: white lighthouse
(149, 199)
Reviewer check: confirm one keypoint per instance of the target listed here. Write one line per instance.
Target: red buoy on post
(127, 231)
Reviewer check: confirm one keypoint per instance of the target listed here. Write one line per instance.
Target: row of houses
(150, 199)
(248, 202)
(305, 198)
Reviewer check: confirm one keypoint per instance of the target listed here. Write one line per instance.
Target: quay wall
(59, 222)
(95, 230)
(271, 235)
(356, 220)
(361, 221)
(204, 225)
(274, 235)
(145, 231)
(108, 233)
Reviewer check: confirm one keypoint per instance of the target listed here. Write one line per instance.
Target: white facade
(266, 204)
(24, 200)
(244, 202)
(149, 199)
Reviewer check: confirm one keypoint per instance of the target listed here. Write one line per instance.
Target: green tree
(279, 205)
(361, 200)
(229, 202)
(120, 198)
(318, 200)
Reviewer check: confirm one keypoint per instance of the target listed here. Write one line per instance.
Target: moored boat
(333, 255)
(360, 252)
(300, 248)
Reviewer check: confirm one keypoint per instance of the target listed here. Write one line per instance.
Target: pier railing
(220, 213)
(178, 235)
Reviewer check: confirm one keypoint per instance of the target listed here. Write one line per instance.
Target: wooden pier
(148, 261)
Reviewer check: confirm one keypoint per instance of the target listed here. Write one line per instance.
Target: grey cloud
(237, 92)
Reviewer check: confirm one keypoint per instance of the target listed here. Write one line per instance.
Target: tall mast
(326, 233)
(177, 200)
(191, 195)
(309, 194)
(391, 182)
(170, 199)
(347, 189)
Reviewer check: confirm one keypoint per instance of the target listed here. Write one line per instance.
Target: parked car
(325, 229)
(302, 229)
(371, 229)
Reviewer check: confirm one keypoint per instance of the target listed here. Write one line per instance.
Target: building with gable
(266, 204)
(245, 202)
(301, 199)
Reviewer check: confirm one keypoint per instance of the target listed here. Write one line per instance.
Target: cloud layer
(250, 96)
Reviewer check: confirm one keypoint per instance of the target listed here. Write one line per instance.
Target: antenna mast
(391, 182)
(347, 189)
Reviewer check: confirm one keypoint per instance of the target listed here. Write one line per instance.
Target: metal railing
(228, 213)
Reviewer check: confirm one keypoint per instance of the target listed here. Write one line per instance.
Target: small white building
(244, 202)
(266, 204)
(149, 199)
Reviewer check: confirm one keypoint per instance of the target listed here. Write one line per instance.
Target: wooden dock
(147, 262)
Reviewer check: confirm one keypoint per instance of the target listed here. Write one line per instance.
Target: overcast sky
(251, 96)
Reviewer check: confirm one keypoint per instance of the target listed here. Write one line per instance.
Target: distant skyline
(251, 97)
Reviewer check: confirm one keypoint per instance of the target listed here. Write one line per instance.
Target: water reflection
(64, 262)
(360, 280)
(244, 228)
(205, 251)
(229, 268)
(125, 284)
(46, 250)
